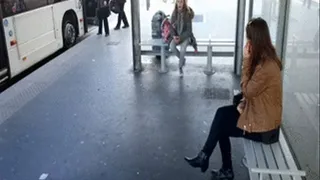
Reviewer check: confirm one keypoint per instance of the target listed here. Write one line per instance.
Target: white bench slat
(188, 53)
(198, 40)
(278, 156)
(153, 42)
(281, 162)
(216, 40)
(260, 158)
(160, 42)
(287, 154)
(277, 171)
(271, 160)
(216, 44)
(250, 157)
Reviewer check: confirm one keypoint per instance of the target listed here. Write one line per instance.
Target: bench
(201, 43)
(270, 162)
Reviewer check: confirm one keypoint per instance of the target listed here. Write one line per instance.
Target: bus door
(90, 8)
(4, 62)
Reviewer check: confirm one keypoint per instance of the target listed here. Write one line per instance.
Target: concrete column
(136, 35)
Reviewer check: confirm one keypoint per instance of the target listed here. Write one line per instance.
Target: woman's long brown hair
(261, 45)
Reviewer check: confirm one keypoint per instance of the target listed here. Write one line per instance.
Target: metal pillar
(250, 13)
(136, 36)
(282, 27)
(209, 70)
(163, 60)
(241, 12)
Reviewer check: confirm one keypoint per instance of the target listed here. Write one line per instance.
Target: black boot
(200, 161)
(223, 174)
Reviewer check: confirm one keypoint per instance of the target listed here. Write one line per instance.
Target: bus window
(34, 4)
(54, 1)
(20, 6)
(12, 7)
(7, 8)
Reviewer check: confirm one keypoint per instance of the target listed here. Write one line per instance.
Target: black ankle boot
(200, 161)
(223, 174)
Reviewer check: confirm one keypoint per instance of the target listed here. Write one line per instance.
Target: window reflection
(301, 84)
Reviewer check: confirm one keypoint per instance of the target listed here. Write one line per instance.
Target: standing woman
(181, 30)
(258, 115)
(103, 14)
(122, 15)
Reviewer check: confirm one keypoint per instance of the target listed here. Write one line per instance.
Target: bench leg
(163, 60)
(244, 161)
(209, 71)
(261, 176)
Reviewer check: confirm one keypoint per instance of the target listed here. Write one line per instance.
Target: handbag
(237, 99)
(114, 6)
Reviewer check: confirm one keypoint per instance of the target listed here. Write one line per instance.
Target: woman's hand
(241, 106)
(246, 64)
(176, 39)
(247, 51)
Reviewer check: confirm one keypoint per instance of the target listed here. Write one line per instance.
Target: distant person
(307, 2)
(103, 14)
(122, 15)
(20, 6)
(181, 30)
(257, 116)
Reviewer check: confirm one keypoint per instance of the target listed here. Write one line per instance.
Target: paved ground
(85, 115)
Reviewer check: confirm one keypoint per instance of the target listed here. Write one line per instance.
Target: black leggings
(106, 26)
(223, 127)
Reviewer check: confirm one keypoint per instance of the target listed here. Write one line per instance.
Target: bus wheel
(69, 34)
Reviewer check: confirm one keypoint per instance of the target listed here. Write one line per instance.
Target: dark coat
(121, 1)
(104, 11)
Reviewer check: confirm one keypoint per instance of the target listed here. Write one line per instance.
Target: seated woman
(181, 30)
(258, 115)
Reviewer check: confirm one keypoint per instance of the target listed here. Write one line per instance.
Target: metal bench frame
(201, 43)
(270, 161)
(209, 43)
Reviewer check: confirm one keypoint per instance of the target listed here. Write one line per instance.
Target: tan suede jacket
(263, 96)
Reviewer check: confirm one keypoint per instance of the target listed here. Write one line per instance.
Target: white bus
(31, 30)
